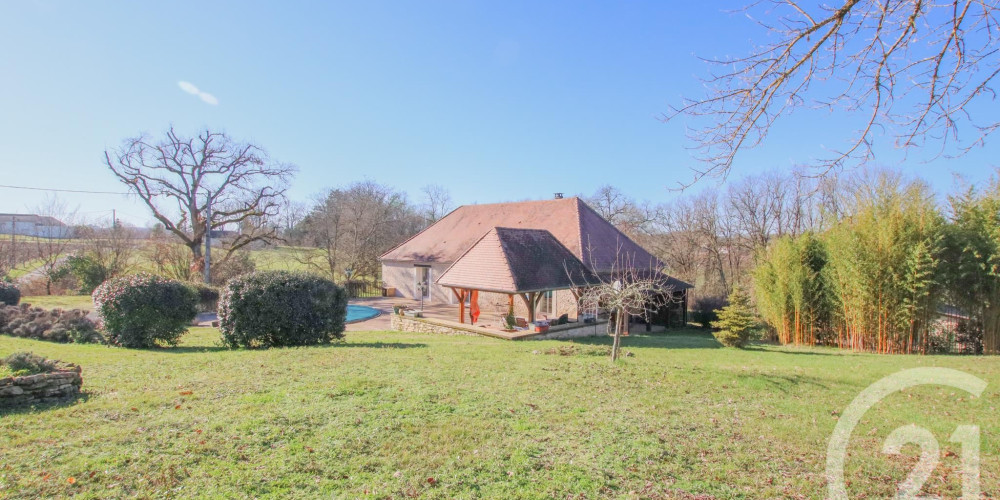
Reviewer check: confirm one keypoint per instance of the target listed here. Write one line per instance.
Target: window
(547, 304)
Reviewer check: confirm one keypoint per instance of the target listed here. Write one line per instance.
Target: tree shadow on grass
(206, 349)
(761, 348)
(82, 397)
(188, 349)
(381, 345)
(782, 383)
(665, 340)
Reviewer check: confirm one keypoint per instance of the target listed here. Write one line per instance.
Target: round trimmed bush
(143, 310)
(10, 294)
(279, 308)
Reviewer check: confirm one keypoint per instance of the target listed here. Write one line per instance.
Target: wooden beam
(461, 303)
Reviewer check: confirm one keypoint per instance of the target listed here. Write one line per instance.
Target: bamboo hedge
(875, 279)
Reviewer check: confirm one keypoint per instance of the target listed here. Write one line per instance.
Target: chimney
(559, 196)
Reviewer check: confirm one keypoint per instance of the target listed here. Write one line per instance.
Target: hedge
(144, 310)
(279, 308)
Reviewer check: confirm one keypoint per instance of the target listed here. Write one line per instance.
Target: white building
(41, 226)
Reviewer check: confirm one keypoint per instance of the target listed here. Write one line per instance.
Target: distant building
(41, 226)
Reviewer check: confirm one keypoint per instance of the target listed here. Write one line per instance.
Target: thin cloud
(192, 89)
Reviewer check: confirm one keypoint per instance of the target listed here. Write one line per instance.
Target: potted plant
(509, 322)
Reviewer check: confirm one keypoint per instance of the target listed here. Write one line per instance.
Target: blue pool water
(360, 313)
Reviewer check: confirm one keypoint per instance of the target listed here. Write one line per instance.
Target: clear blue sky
(493, 100)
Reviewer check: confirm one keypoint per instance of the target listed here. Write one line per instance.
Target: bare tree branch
(914, 69)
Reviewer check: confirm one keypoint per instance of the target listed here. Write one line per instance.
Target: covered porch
(511, 271)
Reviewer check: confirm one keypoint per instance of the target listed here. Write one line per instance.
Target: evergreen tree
(737, 323)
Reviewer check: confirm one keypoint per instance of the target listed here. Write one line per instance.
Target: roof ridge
(506, 258)
(467, 250)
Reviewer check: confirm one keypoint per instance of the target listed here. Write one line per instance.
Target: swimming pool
(360, 313)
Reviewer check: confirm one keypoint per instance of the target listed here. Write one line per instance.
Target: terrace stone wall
(416, 325)
(41, 388)
(425, 325)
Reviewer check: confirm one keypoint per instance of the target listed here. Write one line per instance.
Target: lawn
(388, 414)
(60, 301)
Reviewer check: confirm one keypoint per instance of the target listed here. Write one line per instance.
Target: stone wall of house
(564, 301)
(403, 277)
(41, 388)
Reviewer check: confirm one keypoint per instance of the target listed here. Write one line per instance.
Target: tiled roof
(513, 260)
(40, 220)
(593, 240)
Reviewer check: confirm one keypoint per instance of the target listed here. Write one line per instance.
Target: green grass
(24, 268)
(388, 414)
(60, 301)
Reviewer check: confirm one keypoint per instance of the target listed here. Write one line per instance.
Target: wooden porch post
(684, 304)
(461, 303)
(530, 301)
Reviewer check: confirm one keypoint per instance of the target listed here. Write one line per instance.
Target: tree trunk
(619, 316)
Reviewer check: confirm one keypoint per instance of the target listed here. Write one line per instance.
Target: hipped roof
(511, 260)
(595, 242)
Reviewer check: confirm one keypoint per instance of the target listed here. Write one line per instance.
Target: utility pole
(208, 240)
(114, 218)
(13, 241)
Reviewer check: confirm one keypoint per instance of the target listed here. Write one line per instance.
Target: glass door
(423, 282)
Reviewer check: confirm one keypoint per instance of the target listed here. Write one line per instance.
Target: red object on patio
(474, 306)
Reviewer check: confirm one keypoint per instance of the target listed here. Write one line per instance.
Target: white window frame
(551, 302)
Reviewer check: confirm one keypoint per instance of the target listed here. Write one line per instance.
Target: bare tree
(353, 226)
(918, 70)
(169, 257)
(628, 290)
(437, 202)
(106, 250)
(179, 177)
(52, 249)
(624, 212)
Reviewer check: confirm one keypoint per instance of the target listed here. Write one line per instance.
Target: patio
(445, 315)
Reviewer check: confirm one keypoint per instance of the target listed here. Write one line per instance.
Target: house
(543, 252)
(41, 226)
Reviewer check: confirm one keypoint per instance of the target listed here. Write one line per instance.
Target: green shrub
(25, 363)
(89, 273)
(10, 294)
(278, 308)
(737, 324)
(143, 310)
(55, 325)
(705, 310)
(208, 296)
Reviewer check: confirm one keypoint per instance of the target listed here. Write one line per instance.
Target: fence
(363, 289)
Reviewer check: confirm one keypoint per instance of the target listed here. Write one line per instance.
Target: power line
(62, 190)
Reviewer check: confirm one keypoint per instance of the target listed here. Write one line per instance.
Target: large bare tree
(180, 177)
(912, 69)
